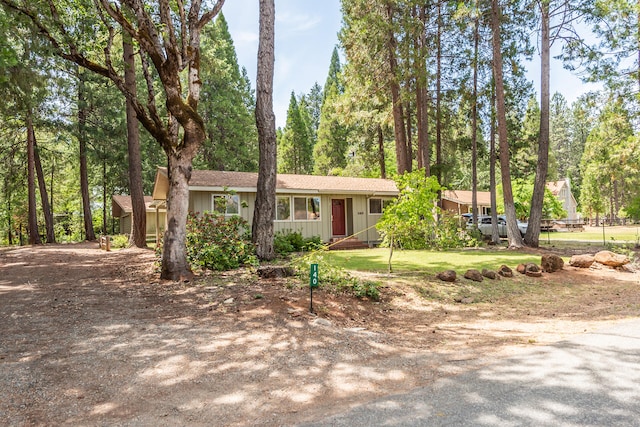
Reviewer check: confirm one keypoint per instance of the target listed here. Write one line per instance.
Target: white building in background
(562, 190)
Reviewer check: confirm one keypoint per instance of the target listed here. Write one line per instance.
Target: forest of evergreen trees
(417, 89)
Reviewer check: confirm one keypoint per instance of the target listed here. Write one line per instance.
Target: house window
(376, 206)
(283, 208)
(226, 204)
(306, 208)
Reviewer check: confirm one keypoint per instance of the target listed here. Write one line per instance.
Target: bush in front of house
(286, 242)
(218, 243)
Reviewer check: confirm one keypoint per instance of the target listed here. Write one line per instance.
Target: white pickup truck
(484, 225)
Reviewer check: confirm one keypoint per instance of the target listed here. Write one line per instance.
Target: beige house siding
(354, 191)
(357, 215)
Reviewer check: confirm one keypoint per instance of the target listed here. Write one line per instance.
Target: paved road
(591, 380)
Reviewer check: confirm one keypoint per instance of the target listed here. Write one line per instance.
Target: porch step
(345, 244)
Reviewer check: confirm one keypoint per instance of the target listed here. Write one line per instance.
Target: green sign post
(313, 283)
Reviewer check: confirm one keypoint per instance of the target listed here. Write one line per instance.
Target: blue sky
(306, 33)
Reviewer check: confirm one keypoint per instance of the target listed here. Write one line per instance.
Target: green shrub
(286, 242)
(119, 241)
(334, 279)
(218, 243)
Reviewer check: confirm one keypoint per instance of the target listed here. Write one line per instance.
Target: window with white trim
(376, 206)
(306, 208)
(225, 204)
(283, 208)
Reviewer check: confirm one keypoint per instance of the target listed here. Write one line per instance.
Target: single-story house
(459, 201)
(331, 207)
(562, 190)
(121, 208)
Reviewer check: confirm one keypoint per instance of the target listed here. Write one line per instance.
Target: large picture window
(283, 208)
(376, 206)
(226, 204)
(306, 208)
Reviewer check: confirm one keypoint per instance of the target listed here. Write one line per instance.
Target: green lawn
(376, 260)
(616, 234)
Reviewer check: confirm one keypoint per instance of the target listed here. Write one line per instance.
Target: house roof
(556, 186)
(206, 180)
(122, 204)
(464, 197)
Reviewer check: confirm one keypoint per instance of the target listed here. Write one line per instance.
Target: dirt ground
(94, 338)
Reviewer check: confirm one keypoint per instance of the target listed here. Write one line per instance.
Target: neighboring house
(562, 190)
(459, 201)
(121, 208)
(331, 207)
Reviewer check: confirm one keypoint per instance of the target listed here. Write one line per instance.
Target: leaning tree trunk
(84, 179)
(44, 197)
(513, 233)
(532, 236)
(138, 235)
(265, 210)
(34, 235)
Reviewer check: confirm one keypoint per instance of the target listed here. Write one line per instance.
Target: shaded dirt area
(93, 338)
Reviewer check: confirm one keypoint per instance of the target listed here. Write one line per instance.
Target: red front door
(337, 217)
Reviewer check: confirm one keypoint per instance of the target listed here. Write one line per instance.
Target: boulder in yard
(611, 259)
(474, 275)
(582, 261)
(505, 271)
(490, 274)
(447, 276)
(551, 263)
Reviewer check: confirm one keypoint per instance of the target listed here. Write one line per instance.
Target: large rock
(611, 259)
(551, 263)
(581, 261)
(530, 269)
(474, 275)
(447, 276)
(505, 271)
(490, 274)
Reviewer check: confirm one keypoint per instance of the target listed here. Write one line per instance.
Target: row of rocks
(476, 275)
(549, 264)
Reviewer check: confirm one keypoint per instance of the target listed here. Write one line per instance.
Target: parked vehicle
(484, 225)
